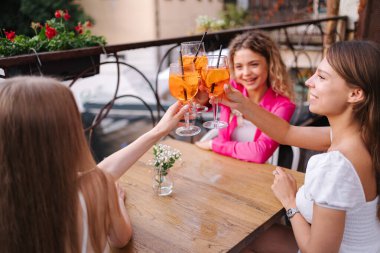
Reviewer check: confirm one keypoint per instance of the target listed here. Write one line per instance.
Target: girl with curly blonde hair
(260, 74)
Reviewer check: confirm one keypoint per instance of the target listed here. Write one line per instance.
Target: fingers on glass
(183, 85)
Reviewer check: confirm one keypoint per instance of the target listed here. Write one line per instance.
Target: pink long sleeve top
(262, 146)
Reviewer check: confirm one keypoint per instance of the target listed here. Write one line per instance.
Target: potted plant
(54, 50)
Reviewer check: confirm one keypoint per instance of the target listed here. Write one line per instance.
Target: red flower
(10, 35)
(66, 16)
(50, 32)
(58, 14)
(88, 23)
(79, 28)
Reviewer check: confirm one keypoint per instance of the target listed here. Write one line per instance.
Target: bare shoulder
(358, 155)
(97, 187)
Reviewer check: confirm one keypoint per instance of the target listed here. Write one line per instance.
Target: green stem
(159, 180)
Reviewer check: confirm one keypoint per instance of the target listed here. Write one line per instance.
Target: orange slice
(216, 75)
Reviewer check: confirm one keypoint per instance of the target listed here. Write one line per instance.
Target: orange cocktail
(216, 74)
(215, 80)
(183, 87)
(194, 52)
(200, 62)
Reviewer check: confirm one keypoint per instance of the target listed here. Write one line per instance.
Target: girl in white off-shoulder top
(332, 182)
(337, 209)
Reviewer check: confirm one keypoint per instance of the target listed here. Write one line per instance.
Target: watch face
(291, 212)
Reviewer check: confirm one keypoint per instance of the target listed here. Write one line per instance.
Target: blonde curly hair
(262, 44)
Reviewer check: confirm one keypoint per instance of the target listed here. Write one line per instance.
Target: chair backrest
(209, 135)
(281, 157)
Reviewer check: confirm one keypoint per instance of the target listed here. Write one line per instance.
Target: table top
(219, 204)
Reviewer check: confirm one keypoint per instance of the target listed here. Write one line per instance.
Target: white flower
(164, 157)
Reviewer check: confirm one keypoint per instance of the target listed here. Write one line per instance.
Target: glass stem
(187, 120)
(215, 108)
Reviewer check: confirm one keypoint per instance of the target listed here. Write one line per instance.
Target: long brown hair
(260, 43)
(357, 62)
(42, 152)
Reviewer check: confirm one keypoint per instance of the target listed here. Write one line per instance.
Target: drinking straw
(217, 66)
(185, 93)
(220, 53)
(199, 47)
(180, 60)
(212, 87)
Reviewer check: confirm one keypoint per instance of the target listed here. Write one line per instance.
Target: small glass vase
(162, 184)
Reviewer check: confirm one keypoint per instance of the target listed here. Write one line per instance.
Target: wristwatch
(291, 212)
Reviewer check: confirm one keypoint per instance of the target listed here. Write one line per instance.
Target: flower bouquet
(164, 158)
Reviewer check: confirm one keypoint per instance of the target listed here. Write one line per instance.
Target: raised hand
(202, 95)
(171, 118)
(231, 98)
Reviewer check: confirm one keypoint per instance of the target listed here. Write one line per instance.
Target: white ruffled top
(331, 181)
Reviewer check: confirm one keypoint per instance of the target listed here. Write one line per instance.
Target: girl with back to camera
(53, 197)
(337, 209)
(259, 74)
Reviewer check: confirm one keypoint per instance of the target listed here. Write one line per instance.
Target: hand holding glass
(183, 85)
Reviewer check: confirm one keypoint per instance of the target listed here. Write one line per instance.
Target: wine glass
(216, 75)
(183, 85)
(194, 51)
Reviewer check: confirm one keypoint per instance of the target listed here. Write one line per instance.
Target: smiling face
(251, 70)
(329, 93)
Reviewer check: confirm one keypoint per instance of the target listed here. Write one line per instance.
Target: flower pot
(63, 69)
(64, 65)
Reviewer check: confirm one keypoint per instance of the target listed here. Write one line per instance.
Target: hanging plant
(53, 35)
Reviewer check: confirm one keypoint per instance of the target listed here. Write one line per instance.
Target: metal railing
(298, 37)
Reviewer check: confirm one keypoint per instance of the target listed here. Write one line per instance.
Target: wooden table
(219, 204)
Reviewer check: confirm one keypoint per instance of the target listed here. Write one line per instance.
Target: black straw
(217, 65)
(220, 53)
(180, 60)
(185, 93)
(212, 87)
(199, 47)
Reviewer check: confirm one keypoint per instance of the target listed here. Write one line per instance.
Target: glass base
(190, 131)
(165, 191)
(215, 124)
